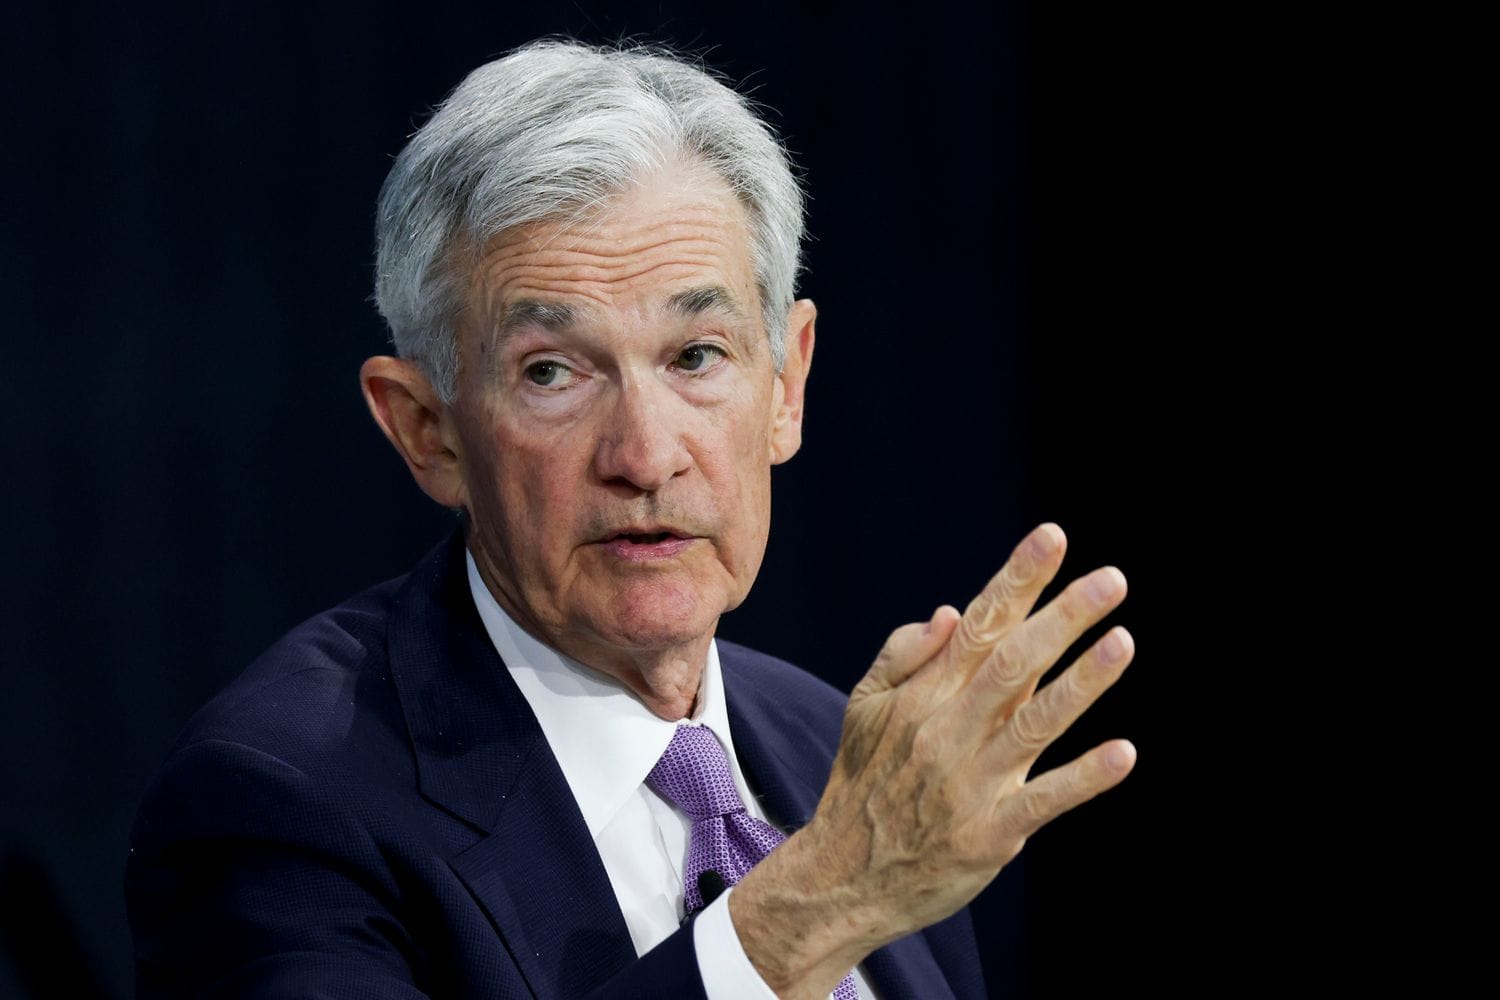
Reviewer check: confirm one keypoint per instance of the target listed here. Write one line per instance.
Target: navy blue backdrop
(1003, 266)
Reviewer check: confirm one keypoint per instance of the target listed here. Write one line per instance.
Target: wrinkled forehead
(677, 240)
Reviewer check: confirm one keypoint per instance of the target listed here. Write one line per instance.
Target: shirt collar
(605, 740)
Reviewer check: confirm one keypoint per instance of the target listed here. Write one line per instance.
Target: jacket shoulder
(300, 700)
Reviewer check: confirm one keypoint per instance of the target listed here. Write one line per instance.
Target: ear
(791, 382)
(413, 418)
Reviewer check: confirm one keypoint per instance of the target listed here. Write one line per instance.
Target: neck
(666, 680)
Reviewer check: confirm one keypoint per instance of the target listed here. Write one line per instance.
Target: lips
(642, 532)
(645, 538)
(646, 543)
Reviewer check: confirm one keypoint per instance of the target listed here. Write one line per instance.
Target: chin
(660, 617)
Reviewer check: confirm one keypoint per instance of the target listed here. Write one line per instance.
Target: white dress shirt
(606, 742)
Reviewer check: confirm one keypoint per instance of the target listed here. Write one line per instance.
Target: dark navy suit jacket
(371, 810)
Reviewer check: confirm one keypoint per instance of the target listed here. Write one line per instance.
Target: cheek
(544, 490)
(524, 482)
(743, 477)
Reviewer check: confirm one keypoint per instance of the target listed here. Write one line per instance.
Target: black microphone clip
(710, 885)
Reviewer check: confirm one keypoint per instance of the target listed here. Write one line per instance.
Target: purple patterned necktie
(693, 775)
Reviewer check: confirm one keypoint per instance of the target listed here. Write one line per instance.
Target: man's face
(617, 416)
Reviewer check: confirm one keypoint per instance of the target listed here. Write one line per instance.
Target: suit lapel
(481, 756)
(539, 878)
(789, 788)
(788, 767)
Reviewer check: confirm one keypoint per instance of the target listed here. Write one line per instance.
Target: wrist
(802, 922)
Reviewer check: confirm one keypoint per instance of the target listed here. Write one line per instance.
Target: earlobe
(791, 382)
(417, 423)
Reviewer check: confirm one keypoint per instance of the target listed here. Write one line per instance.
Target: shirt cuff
(726, 971)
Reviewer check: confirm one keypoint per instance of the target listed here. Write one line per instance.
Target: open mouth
(647, 546)
(644, 539)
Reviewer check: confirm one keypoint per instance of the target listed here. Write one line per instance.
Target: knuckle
(989, 615)
(977, 632)
(926, 745)
(1013, 576)
(1005, 666)
(1035, 809)
(1031, 727)
(1002, 585)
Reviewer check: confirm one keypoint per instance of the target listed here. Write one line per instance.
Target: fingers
(1045, 717)
(907, 649)
(1019, 659)
(1048, 796)
(1009, 596)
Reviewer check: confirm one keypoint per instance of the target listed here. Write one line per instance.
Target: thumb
(907, 649)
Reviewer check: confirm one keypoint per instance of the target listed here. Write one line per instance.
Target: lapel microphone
(710, 887)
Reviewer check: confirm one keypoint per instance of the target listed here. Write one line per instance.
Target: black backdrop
(1008, 257)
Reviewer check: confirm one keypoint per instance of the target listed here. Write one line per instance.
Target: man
(482, 779)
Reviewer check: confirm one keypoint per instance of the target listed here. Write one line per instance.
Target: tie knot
(693, 775)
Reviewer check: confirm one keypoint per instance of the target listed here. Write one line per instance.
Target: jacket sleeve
(242, 881)
(247, 878)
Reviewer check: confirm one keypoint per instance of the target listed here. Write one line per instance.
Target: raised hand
(930, 793)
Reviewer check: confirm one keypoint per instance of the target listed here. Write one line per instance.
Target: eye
(549, 374)
(699, 357)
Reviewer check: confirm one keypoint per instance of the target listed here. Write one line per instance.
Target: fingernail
(1105, 584)
(1042, 543)
(1116, 758)
(1112, 647)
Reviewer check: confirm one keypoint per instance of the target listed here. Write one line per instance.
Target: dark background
(1021, 260)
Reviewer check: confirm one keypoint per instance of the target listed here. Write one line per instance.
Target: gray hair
(545, 134)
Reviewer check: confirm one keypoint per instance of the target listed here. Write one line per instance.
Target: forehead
(678, 230)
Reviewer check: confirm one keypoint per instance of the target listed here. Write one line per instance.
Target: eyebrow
(534, 312)
(558, 316)
(709, 298)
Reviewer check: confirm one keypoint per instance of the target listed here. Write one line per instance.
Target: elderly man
(528, 768)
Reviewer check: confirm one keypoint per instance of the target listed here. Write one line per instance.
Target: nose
(643, 444)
